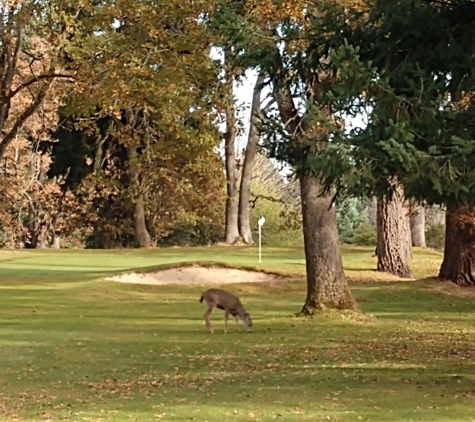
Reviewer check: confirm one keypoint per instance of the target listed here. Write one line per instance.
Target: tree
(180, 180)
(294, 133)
(33, 92)
(248, 163)
(418, 224)
(459, 253)
(32, 34)
(232, 198)
(128, 123)
(278, 199)
(393, 247)
(417, 93)
(351, 214)
(149, 74)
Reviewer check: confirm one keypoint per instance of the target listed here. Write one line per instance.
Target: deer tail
(201, 300)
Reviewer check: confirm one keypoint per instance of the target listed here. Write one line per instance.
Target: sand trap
(196, 274)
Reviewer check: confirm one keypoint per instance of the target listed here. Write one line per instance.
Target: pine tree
(408, 66)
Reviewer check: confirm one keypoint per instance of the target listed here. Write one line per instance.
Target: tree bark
(407, 231)
(326, 283)
(418, 225)
(248, 165)
(372, 211)
(232, 231)
(141, 234)
(142, 237)
(56, 242)
(393, 246)
(33, 226)
(41, 240)
(459, 253)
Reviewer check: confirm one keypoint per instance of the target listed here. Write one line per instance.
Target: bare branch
(268, 198)
(22, 118)
(117, 121)
(35, 79)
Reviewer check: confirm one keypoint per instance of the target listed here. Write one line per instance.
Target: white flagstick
(260, 254)
(260, 223)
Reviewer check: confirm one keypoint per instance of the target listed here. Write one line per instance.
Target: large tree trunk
(394, 245)
(326, 282)
(418, 225)
(232, 232)
(141, 234)
(248, 165)
(459, 253)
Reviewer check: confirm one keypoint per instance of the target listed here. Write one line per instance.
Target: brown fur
(230, 304)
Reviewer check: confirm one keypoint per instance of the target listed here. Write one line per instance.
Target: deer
(230, 304)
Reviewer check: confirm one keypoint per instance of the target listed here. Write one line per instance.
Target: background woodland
(119, 128)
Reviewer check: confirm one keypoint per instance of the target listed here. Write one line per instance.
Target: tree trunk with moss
(459, 253)
(394, 244)
(326, 283)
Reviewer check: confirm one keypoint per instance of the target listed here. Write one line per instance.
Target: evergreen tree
(351, 214)
(294, 133)
(409, 67)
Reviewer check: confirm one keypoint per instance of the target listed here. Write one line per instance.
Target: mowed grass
(75, 347)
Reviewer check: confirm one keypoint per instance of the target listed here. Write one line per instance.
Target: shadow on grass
(368, 269)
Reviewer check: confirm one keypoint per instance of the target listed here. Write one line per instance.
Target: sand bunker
(199, 275)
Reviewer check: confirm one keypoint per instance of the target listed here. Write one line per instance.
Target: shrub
(190, 234)
(351, 213)
(366, 235)
(435, 237)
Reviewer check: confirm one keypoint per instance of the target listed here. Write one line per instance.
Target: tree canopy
(408, 67)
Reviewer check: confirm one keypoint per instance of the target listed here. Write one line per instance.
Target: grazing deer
(217, 298)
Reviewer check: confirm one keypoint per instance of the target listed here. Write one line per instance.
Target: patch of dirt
(197, 275)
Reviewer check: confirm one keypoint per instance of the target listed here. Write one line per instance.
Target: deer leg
(237, 323)
(207, 320)
(226, 317)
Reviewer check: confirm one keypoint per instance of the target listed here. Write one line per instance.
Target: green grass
(74, 347)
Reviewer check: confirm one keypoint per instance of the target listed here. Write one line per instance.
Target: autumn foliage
(107, 129)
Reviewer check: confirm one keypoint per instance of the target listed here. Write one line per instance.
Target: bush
(366, 235)
(351, 213)
(283, 225)
(189, 234)
(435, 237)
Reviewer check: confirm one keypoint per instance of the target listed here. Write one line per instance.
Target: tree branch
(22, 118)
(268, 198)
(288, 112)
(35, 79)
